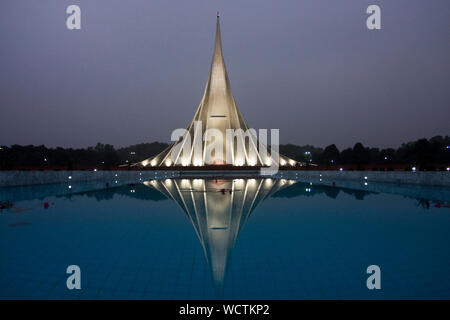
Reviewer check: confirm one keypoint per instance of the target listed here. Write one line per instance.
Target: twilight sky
(137, 69)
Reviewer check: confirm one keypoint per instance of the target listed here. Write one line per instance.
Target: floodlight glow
(197, 183)
(197, 162)
(184, 183)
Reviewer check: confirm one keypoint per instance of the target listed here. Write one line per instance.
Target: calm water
(233, 239)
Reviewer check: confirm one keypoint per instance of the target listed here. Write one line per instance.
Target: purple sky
(137, 69)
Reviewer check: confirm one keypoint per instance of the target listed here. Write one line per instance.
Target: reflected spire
(218, 209)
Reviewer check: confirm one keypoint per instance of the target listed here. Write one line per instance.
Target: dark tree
(426, 154)
(361, 155)
(331, 155)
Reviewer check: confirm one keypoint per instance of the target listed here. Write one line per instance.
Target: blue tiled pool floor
(132, 243)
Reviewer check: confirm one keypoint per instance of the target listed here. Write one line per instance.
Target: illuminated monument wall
(217, 110)
(218, 210)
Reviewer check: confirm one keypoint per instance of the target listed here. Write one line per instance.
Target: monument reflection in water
(218, 210)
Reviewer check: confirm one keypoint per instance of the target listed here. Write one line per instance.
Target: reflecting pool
(230, 238)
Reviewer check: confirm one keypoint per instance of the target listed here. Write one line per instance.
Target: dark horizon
(311, 69)
(429, 155)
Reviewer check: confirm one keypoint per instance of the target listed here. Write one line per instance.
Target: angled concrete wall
(428, 178)
(24, 178)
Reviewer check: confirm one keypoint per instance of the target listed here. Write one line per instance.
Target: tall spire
(218, 216)
(218, 94)
(217, 110)
(218, 56)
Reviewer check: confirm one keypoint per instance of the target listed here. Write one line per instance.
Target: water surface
(226, 238)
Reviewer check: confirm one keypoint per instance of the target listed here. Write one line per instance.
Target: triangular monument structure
(218, 110)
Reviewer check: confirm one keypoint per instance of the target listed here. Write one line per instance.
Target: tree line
(423, 153)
